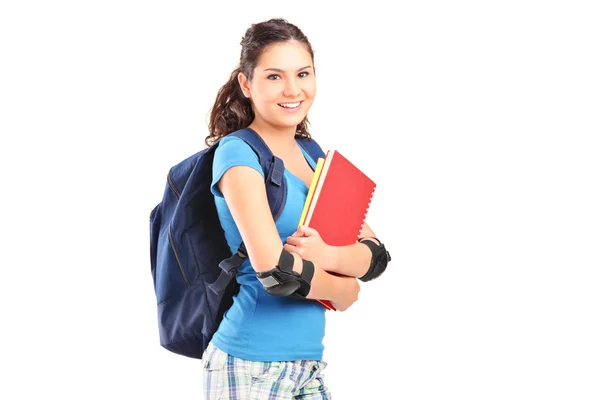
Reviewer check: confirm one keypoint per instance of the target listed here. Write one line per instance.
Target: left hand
(307, 243)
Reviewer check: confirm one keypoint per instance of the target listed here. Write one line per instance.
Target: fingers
(289, 248)
(296, 241)
(297, 234)
(292, 249)
(307, 231)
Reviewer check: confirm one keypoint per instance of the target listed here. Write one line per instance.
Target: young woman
(270, 342)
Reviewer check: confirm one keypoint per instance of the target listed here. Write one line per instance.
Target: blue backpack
(192, 266)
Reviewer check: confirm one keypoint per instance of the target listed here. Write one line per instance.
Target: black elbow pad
(284, 281)
(379, 260)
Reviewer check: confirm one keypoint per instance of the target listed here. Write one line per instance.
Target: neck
(275, 137)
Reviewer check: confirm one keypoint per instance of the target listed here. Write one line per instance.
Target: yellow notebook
(311, 190)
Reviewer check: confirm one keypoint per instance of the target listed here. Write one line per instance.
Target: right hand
(347, 294)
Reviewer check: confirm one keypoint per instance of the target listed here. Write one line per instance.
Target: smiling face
(283, 85)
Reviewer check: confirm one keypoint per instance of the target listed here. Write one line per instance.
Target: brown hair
(232, 110)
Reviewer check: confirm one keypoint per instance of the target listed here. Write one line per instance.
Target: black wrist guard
(379, 259)
(284, 281)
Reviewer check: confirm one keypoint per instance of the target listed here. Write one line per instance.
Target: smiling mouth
(290, 105)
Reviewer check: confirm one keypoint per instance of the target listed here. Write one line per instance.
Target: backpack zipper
(173, 188)
(187, 282)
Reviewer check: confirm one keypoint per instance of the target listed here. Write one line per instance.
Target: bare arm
(244, 191)
(352, 260)
(355, 259)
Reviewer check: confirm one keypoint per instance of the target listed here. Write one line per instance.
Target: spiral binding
(366, 212)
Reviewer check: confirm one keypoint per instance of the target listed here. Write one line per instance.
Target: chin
(292, 122)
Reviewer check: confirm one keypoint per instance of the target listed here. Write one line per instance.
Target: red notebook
(337, 202)
(340, 202)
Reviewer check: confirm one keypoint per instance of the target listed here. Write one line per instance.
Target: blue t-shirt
(258, 326)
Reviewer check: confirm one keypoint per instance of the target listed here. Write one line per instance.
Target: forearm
(351, 260)
(324, 286)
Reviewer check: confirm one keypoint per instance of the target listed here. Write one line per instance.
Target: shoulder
(232, 151)
(233, 144)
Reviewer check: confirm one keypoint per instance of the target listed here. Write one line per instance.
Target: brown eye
(303, 74)
(273, 77)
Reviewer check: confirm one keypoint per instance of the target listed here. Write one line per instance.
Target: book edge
(320, 182)
(362, 225)
(311, 190)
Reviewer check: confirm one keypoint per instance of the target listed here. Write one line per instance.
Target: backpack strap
(272, 167)
(312, 148)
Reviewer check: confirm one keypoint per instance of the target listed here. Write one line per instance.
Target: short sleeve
(232, 152)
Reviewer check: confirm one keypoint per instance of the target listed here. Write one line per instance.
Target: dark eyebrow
(281, 71)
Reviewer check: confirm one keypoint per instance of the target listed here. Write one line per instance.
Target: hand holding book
(335, 209)
(310, 246)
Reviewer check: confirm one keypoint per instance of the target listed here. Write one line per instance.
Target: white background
(478, 120)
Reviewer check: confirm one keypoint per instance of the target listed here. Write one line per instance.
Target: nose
(292, 88)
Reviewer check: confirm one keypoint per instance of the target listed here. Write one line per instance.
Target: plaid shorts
(227, 378)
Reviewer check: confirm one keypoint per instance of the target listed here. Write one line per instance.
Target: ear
(244, 84)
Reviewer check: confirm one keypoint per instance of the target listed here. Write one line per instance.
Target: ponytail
(232, 110)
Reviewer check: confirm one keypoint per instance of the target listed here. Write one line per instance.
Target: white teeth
(289, 105)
